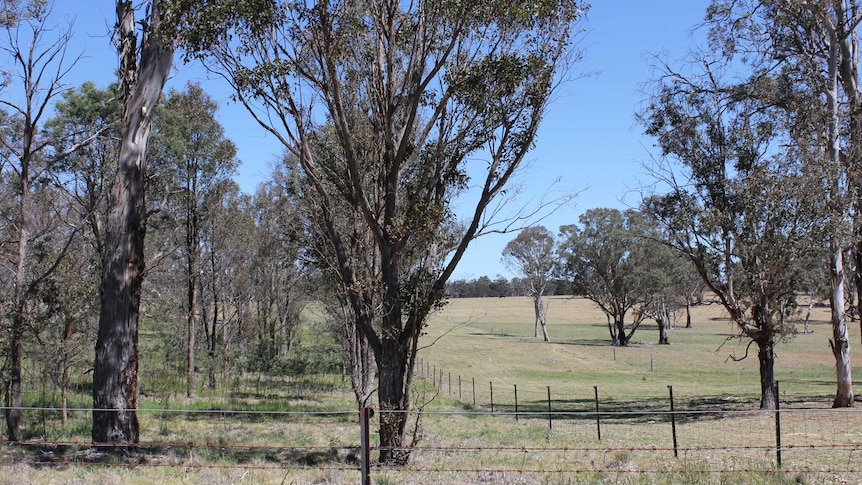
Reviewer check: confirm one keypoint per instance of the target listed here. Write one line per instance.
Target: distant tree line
(500, 287)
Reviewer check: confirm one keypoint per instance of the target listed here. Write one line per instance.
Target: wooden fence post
(777, 426)
(365, 414)
(474, 390)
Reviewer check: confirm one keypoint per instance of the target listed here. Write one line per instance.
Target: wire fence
(532, 437)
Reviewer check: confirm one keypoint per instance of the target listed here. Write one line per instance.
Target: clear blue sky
(589, 139)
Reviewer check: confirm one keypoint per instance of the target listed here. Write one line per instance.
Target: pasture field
(491, 339)
(283, 435)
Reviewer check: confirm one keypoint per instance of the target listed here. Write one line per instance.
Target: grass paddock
(290, 431)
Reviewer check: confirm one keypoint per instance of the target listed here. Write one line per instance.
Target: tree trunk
(13, 386)
(191, 326)
(688, 313)
(540, 317)
(362, 364)
(212, 336)
(663, 338)
(621, 337)
(115, 372)
(64, 374)
(766, 358)
(612, 331)
(392, 370)
(19, 317)
(840, 342)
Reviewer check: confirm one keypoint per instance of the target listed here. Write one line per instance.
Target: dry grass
(491, 340)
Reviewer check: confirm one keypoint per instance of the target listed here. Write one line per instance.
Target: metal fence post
(673, 422)
(598, 419)
(550, 416)
(492, 396)
(516, 402)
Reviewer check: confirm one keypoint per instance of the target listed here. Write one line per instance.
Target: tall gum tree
(738, 210)
(609, 260)
(146, 57)
(818, 43)
(37, 67)
(192, 157)
(533, 254)
(410, 91)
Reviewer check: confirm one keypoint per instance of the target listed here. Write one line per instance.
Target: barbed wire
(341, 462)
(182, 411)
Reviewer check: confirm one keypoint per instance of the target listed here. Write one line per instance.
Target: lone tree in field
(533, 255)
(743, 214)
(383, 104)
(611, 260)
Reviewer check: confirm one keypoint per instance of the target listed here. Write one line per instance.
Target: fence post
(365, 445)
(598, 419)
(450, 383)
(474, 390)
(777, 426)
(492, 395)
(516, 402)
(550, 417)
(673, 422)
(459, 389)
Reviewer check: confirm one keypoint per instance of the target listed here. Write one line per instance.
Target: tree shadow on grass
(183, 455)
(639, 411)
(481, 333)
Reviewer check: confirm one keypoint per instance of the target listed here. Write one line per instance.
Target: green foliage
(618, 261)
(302, 360)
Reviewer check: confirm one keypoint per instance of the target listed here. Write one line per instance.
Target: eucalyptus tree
(280, 287)
(663, 275)
(818, 43)
(146, 54)
(533, 254)
(35, 67)
(86, 129)
(191, 156)
(736, 206)
(228, 238)
(411, 92)
(691, 286)
(611, 260)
